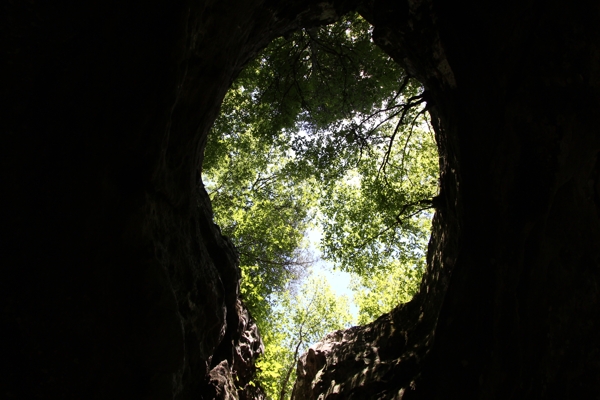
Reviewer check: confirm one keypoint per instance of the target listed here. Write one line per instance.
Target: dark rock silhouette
(508, 307)
(117, 284)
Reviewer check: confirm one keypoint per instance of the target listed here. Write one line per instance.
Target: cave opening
(119, 285)
(322, 141)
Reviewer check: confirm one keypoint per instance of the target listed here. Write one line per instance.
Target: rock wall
(509, 305)
(116, 283)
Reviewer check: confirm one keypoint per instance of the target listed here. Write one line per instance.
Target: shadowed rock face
(509, 305)
(118, 285)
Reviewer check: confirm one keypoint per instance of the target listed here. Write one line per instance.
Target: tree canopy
(322, 129)
(300, 320)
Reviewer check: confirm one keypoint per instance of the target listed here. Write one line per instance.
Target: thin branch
(289, 370)
(389, 108)
(412, 126)
(407, 107)
(398, 220)
(300, 342)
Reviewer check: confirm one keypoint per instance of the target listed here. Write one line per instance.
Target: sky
(338, 280)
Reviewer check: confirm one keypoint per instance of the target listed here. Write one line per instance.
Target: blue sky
(338, 280)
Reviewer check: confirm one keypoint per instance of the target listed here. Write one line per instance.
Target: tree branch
(407, 107)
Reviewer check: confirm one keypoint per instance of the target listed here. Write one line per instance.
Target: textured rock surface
(116, 283)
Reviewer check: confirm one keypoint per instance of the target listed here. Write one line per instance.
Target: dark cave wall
(521, 310)
(117, 284)
(83, 292)
(515, 250)
(519, 319)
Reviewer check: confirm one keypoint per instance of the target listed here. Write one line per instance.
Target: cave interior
(117, 283)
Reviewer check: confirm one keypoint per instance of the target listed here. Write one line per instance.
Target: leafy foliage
(264, 210)
(381, 292)
(371, 219)
(298, 322)
(322, 128)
